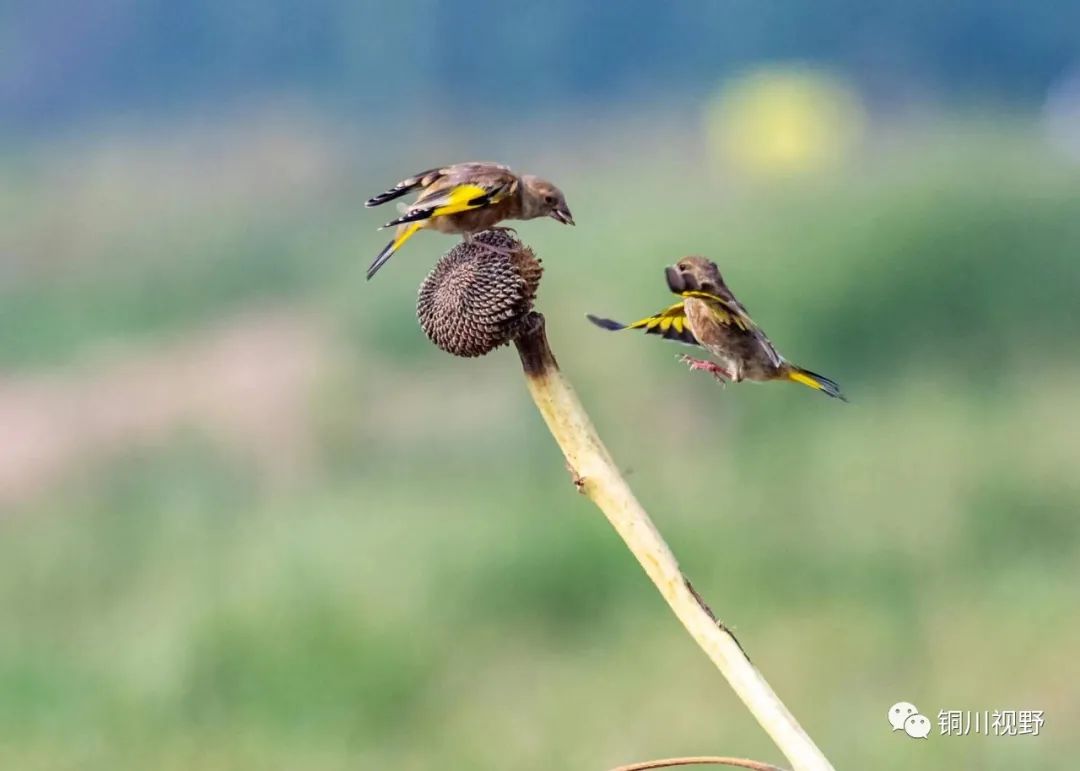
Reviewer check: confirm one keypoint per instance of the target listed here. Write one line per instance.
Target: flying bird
(467, 198)
(709, 316)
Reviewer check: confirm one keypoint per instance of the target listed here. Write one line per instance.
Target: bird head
(694, 274)
(543, 199)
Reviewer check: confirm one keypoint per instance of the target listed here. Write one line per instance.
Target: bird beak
(562, 214)
(680, 281)
(675, 280)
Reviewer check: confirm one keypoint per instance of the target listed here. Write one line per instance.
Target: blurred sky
(62, 61)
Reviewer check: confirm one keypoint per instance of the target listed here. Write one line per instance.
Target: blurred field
(253, 520)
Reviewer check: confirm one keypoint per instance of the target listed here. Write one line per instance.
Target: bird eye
(549, 200)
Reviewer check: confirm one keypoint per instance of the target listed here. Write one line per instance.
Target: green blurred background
(251, 519)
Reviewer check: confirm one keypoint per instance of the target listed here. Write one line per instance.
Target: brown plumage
(467, 198)
(710, 316)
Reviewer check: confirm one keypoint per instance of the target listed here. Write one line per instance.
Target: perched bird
(468, 198)
(709, 316)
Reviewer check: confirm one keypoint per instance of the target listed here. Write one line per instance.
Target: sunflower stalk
(596, 476)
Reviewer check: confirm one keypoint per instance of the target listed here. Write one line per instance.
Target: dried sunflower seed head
(475, 298)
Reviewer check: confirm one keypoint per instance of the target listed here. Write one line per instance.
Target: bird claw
(718, 372)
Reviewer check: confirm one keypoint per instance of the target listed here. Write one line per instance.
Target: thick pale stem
(597, 477)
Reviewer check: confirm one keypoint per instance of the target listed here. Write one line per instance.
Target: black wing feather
(401, 188)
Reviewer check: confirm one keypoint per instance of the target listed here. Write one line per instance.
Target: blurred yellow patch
(782, 121)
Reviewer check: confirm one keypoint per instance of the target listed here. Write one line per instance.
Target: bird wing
(428, 177)
(730, 312)
(670, 323)
(420, 179)
(459, 188)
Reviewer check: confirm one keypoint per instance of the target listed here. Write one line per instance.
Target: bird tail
(404, 234)
(815, 381)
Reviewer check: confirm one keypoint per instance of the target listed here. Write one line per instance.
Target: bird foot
(718, 372)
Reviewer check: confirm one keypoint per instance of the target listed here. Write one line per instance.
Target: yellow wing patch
(461, 198)
(670, 323)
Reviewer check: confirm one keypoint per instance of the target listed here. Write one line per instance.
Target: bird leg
(717, 371)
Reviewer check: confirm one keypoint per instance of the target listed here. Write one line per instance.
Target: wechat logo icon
(904, 716)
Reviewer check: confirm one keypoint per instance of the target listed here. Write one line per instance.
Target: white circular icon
(917, 726)
(899, 713)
